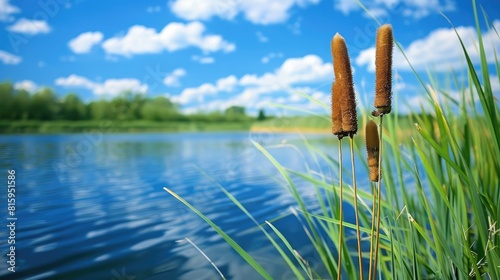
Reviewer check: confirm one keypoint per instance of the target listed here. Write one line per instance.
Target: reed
(343, 80)
(441, 204)
(372, 149)
(337, 130)
(383, 70)
(343, 90)
(383, 98)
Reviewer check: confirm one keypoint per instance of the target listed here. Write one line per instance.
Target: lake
(92, 206)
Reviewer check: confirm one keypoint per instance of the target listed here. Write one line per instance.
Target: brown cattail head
(336, 111)
(343, 80)
(372, 148)
(383, 70)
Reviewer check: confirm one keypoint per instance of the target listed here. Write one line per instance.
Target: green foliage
(235, 110)
(159, 109)
(111, 126)
(44, 105)
(72, 108)
(441, 189)
(235, 113)
(21, 107)
(99, 110)
(7, 97)
(262, 115)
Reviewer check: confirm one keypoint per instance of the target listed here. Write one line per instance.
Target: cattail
(383, 75)
(372, 148)
(343, 80)
(336, 112)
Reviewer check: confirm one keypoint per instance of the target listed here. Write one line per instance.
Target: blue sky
(210, 54)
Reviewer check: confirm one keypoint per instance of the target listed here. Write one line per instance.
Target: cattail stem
(341, 214)
(373, 153)
(374, 202)
(358, 232)
(379, 186)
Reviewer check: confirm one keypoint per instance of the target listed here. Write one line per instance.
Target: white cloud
(203, 10)
(261, 37)
(203, 59)
(248, 90)
(8, 58)
(307, 69)
(408, 8)
(172, 79)
(253, 99)
(440, 50)
(29, 27)
(266, 12)
(227, 84)
(27, 85)
(109, 86)
(198, 94)
(174, 36)
(377, 12)
(195, 94)
(116, 86)
(75, 81)
(253, 91)
(346, 6)
(256, 11)
(84, 42)
(6, 10)
(138, 40)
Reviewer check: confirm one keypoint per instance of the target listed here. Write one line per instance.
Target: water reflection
(94, 207)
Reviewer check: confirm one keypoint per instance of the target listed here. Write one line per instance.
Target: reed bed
(434, 204)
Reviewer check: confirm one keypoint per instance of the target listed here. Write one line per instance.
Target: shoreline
(117, 126)
(298, 129)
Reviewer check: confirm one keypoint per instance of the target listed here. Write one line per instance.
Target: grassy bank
(303, 124)
(297, 124)
(15, 127)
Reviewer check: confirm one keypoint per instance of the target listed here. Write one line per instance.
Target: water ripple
(105, 213)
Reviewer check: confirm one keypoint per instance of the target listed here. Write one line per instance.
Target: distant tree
(138, 102)
(99, 110)
(235, 113)
(22, 103)
(127, 106)
(6, 101)
(215, 116)
(159, 109)
(72, 108)
(235, 110)
(44, 105)
(262, 115)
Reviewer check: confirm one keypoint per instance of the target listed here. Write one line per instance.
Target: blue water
(92, 206)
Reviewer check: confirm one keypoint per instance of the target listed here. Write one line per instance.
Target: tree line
(19, 104)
